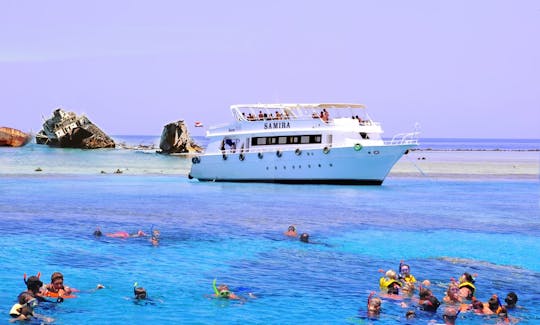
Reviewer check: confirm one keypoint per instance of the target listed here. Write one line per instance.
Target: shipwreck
(67, 130)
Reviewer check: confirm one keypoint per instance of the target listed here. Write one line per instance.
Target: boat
(325, 143)
(67, 130)
(10, 137)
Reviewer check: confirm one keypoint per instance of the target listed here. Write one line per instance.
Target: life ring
(224, 157)
(298, 152)
(260, 155)
(241, 156)
(326, 150)
(279, 153)
(358, 147)
(195, 160)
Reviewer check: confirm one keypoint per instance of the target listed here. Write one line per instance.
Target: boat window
(302, 139)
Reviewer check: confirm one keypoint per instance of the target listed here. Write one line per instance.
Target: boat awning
(298, 106)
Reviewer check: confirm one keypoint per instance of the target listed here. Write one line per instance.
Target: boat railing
(404, 138)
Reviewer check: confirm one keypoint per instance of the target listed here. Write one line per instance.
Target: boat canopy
(298, 106)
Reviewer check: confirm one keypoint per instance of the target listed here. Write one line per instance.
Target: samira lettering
(277, 125)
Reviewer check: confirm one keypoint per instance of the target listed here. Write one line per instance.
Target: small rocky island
(67, 130)
(175, 139)
(10, 137)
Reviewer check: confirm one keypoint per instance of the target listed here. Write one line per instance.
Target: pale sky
(461, 69)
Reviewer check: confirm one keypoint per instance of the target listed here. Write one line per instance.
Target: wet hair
(406, 265)
(56, 276)
(468, 277)
(493, 303)
(291, 228)
(478, 305)
(424, 293)
(410, 314)
(140, 293)
(431, 303)
(393, 289)
(98, 233)
(33, 283)
(511, 299)
(304, 237)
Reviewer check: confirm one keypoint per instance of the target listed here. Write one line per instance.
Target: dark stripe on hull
(301, 181)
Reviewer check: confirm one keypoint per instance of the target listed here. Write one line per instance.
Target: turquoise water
(234, 232)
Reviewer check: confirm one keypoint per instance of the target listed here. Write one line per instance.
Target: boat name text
(277, 125)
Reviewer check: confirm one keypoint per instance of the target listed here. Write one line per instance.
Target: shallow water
(234, 232)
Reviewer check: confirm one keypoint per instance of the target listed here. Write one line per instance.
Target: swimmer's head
(424, 293)
(393, 289)
(98, 232)
(374, 305)
(57, 280)
(450, 314)
(511, 299)
(291, 228)
(493, 303)
(141, 233)
(140, 293)
(33, 283)
(391, 274)
(405, 269)
(223, 291)
(410, 314)
(304, 237)
(478, 305)
(466, 277)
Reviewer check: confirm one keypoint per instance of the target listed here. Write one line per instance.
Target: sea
(52, 200)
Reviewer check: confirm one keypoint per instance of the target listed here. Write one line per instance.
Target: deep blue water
(234, 232)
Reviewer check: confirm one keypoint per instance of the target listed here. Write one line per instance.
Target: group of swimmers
(460, 296)
(36, 292)
(291, 232)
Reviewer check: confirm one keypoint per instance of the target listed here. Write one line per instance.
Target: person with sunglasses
(291, 231)
(57, 288)
(450, 315)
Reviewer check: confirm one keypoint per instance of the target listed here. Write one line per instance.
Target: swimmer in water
(511, 300)
(291, 231)
(57, 288)
(155, 237)
(34, 285)
(452, 294)
(304, 237)
(405, 274)
(223, 291)
(125, 234)
(466, 286)
(374, 306)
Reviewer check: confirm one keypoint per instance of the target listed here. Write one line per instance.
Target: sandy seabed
(469, 164)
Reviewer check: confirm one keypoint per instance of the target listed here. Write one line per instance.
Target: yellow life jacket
(470, 286)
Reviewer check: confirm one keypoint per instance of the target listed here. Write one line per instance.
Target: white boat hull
(345, 165)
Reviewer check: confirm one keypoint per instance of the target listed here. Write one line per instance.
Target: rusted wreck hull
(10, 137)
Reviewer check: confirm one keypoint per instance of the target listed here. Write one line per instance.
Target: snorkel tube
(215, 288)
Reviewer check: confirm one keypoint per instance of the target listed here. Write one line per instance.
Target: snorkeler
(291, 231)
(466, 286)
(405, 273)
(511, 300)
(223, 291)
(23, 310)
(125, 234)
(427, 301)
(304, 237)
(33, 285)
(389, 282)
(155, 237)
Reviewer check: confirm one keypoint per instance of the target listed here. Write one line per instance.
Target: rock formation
(67, 130)
(175, 139)
(10, 137)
